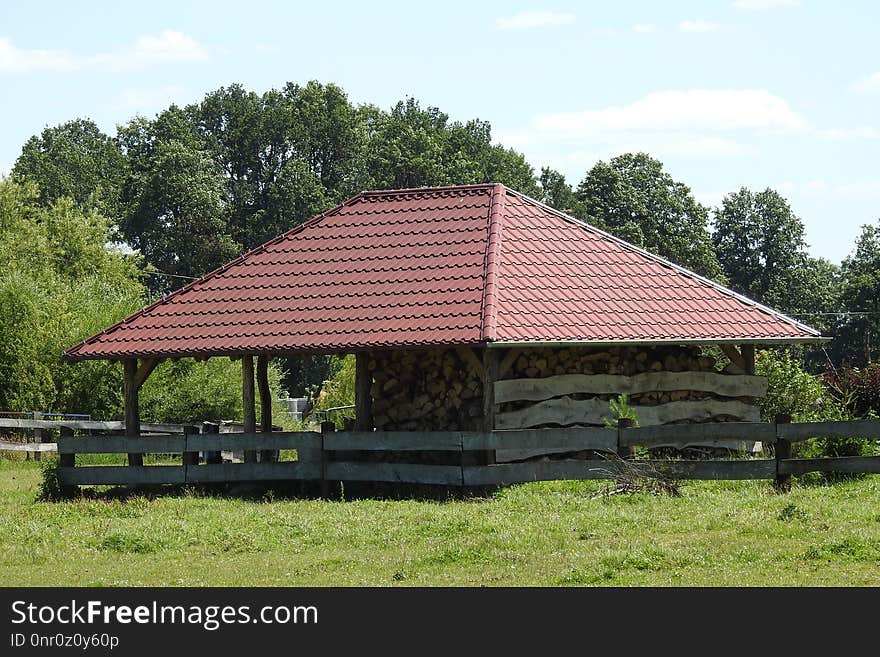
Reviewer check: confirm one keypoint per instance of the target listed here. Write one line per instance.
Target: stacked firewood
(609, 360)
(432, 390)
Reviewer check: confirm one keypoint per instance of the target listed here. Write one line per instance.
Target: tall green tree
(760, 244)
(632, 197)
(77, 160)
(558, 194)
(858, 339)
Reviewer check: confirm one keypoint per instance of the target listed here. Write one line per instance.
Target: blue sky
(756, 93)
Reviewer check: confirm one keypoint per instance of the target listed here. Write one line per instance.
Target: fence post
(326, 427)
(39, 435)
(212, 456)
(189, 457)
(623, 424)
(66, 461)
(783, 451)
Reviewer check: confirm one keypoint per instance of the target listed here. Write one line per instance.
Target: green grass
(715, 534)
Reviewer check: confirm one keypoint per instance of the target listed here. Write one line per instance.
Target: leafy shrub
(858, 388)
(338, 391)
(50, 487)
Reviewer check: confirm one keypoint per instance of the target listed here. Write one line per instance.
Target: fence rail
(356, 456)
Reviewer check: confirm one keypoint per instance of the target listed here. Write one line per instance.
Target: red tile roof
(438, 266)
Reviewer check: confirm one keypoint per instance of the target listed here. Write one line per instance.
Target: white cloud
(697, 26)
(849, 134)
(147, 50)
(525, 20)
(764, 5)
(680, 111)
(867, 84)
(710, 199)
(644, 28)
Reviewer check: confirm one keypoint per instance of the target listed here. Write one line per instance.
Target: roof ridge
(668, 263)
(429, 190)
(489, 317)
(71, 351)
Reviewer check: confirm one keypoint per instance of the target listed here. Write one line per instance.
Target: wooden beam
(509, 359)
(734, 355)
(266, 455)
(748, 355)
(144, 370)
(363, 393)
(132, 407)
(468, 356)
(490, 375)
(247, 400)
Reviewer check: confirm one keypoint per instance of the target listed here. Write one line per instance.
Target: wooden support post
(67, 461)
(214, 456)
(490, 376)
(266, 455)
(783, 451)
(748, 356)
(39, 435)
(623, 424)
(132, 407)
(247, 399)
(326, 427)
(363, 393)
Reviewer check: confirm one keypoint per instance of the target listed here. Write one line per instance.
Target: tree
(176, 209)
(760, 244)
(74, 159)
(415, 147)
(633, 198)
(558, 194)
(859, 333)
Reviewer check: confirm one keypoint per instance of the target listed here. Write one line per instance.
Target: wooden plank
(727, 385)
(122, 475)
(717, 470)
(852, 429)
(121, 445)
(842, 464)
(6, 446)
(395, 440)
(449, 475)
(363, 393)
(253, 441)
(515, 473)
(704, 433)
(87, 425)
(288, 470)
(568, 411)
(574, 439)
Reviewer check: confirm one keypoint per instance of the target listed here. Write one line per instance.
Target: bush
(338, 391)
(50, 486)
(857, 388)
(794, 391)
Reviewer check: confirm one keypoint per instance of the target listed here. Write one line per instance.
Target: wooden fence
(338, 456)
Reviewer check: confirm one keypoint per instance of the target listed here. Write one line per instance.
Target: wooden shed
(469, 308)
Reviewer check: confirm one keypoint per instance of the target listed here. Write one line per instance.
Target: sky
(732, 93)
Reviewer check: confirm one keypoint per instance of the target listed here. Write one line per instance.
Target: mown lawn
(556, 534)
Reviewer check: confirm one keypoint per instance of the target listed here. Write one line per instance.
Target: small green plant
(50, 486)
(621, 410)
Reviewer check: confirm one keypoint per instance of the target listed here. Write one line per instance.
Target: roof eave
(665, 341)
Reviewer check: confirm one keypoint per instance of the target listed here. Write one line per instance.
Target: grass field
(556, 534)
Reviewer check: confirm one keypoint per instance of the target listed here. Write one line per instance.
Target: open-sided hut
(469, 307)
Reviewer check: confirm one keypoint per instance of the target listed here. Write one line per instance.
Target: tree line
(195, 186)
